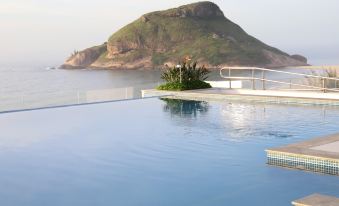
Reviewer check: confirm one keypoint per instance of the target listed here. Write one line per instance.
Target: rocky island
(199, 30)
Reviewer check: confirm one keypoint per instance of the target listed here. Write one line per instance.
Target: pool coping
(317, 200)
(270, 96)
(304, 148)
(304, 156)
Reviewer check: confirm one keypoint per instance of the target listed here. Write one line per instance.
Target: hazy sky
(45, 32)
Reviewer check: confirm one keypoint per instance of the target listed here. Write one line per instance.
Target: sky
(45, 32)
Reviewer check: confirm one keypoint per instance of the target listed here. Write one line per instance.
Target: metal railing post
(78, 97)
(324, 84)
(263, 81)
(253, 80)
(335, 84)
(229, 75)
(180, 75)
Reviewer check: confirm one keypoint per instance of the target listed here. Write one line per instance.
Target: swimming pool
(158, 152)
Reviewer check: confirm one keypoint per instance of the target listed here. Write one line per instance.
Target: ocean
(22, 88)
(33, 87)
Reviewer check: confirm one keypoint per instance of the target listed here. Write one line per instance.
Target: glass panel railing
(59, 98)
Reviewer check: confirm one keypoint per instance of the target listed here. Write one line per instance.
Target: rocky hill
(199, 30)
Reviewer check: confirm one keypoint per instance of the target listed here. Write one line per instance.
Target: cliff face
(85, 58)
(199, 30)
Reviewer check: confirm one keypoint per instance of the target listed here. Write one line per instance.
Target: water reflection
(243, 121)
(185, 108)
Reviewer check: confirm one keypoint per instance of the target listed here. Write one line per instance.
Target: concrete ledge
(226, 84)
(317, 155)
(317, 200)
(272, 96)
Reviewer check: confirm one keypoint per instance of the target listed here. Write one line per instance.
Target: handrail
(263, 78)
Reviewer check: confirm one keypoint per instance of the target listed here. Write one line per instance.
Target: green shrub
(189, 72)
(188, 85)
(192, 77)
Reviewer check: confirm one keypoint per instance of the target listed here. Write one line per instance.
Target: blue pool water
(155, 152)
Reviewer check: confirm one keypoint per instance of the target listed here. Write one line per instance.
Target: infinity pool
(158, 152)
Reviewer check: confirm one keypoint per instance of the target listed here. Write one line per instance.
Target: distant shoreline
(319, 67)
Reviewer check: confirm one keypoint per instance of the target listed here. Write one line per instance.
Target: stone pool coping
(315, 155)
(307, 148)
(317, 200)
(273, 96)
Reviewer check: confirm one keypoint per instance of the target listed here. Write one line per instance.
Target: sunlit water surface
(155, 152)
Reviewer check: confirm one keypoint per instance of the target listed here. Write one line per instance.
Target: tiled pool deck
(317, 155)
(273, 96)
(317, 200)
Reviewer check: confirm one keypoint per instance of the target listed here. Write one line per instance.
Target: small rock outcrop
(84, 58)
(299, 58)
(199, 30)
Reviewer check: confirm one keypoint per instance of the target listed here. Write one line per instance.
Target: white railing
(254, 71)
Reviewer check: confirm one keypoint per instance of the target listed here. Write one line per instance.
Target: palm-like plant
(189, 72)
(171, 75)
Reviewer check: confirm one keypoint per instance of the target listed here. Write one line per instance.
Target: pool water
(158, 152)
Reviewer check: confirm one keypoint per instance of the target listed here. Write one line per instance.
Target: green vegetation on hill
(167, 37)
(199, 30)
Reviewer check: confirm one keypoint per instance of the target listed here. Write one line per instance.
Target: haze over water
(45, 32)
(37, 34)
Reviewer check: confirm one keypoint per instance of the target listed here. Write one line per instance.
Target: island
(199, 31)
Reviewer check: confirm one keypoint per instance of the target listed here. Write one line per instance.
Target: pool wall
(303, 162)
(306, 155)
